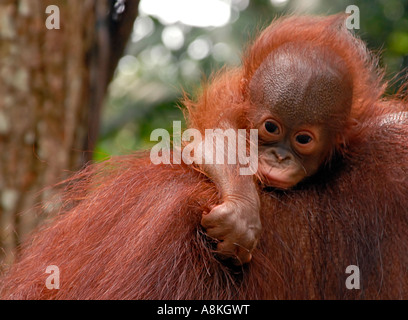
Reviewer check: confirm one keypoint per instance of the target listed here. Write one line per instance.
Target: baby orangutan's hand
(236, 224)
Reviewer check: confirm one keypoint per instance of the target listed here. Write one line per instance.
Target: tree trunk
(52, 84)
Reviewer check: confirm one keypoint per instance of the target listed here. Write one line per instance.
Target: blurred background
(175, 44)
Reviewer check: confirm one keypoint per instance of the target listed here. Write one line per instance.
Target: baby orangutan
(299, 100)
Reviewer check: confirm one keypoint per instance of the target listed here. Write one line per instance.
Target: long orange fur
(131, 230)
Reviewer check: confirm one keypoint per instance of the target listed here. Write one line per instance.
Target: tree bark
(52, 84)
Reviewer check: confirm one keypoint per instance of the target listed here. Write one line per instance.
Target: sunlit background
(176, 43)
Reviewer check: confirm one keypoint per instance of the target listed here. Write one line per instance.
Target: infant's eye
(272, 127)
(303, 138)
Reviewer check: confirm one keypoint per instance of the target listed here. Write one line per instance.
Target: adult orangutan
(331, 191)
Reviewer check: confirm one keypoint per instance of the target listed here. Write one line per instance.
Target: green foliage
(150, 79)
